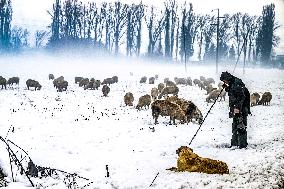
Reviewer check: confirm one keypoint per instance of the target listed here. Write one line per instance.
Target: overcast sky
(32, 14)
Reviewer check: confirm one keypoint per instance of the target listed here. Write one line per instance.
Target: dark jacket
(239, 96)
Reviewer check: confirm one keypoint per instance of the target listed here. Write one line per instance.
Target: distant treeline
(174, 32)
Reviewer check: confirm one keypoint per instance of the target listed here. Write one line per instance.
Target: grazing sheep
(62, 86)
(151, 80)
(96, 84)
(105, 90)
(33, 83)
(108, 81)
(57, 81)
(143, 79)
(50, 76)
(144, 101)
(201, 85)
(84, 82)
(180, 81)
(156, 76)
(128, 99)
(90, 85)
(190, 109)
(170, 83)
(209, 88)
(78, 79)
(196, 81)
(191, 162)
(210, 80)
(3, 82)
(266, 98)
(169, 90)
(214, 94)
(13, 80)
(166, 80)
(202, 78)
(160, 87)
(189, 81)
(154, 93)
(167, 108)
(254, 99)
(115, 79)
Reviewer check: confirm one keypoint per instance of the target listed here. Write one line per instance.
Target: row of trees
(176, 32)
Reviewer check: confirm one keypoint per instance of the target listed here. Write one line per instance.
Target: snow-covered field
(81, 132)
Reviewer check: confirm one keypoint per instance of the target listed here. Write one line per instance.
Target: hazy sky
(33, 13)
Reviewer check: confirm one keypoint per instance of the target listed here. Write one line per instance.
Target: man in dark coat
(239, 102)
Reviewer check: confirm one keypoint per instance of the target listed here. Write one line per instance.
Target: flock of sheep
(173, 106)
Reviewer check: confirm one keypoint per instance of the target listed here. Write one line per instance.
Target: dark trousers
(239, 136)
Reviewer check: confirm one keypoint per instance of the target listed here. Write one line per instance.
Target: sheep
(108, 81)
(169, 90)
(210, 80)
(201, 85)
(214, 94)
(209, 88)
(189, 81)
(33, 83)
(143, 79)
(57, 81)
(156, 76)
(3, 82)
(170, 83)
(13, 80)
(84, 82)
(196, 81)
(154, 93)
(143, 101)
(166, 80)
(115, 79)
(202, 78)
(160, 87)
(167, 108)
(50, 76)
(128, 99)
(78, 79)
(180, 81)
(190, 109)
(220, 85)
(62, 86)
(105, 90)
(151, 80)
(254, 99)
(265, 99)
(191, 162)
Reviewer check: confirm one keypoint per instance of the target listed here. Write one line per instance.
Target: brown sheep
(50, 76)
(105, 90)
(13, 80)
(154, 93)
(144, 101)
(254, 99)
(78, 79)
(209, 88)
(128, 99)
(33, 83)
(169, 90)
(190, 109)
(151, 80)
(214, 94)
(161, 86)
(170, 83)
(3, 82)
(167, 108)
(143, 79)
(266, 98)
(191, 162)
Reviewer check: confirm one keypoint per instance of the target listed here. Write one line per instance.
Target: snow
(80, 131)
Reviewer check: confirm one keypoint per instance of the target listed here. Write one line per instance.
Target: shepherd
(239, 103)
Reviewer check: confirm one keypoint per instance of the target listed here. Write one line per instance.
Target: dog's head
(183, 149)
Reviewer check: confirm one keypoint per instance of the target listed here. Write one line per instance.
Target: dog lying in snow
(191, 162)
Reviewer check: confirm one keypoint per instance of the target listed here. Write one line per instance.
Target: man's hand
(224, 85)
(236, 111)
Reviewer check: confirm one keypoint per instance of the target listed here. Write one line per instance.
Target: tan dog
(189, 161)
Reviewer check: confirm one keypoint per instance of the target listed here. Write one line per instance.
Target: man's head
(226, 77)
